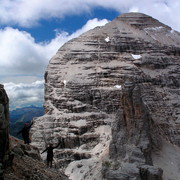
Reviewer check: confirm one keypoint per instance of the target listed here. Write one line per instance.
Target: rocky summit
(112, 98)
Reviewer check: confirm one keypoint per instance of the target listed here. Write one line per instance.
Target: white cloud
(20, 54)
(26, 60)
(22, 59)
(25, 94)
(166, 12)
(28, 13)
(89, 25)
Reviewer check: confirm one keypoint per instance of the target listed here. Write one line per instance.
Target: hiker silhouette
(25, 132)
(50, 153)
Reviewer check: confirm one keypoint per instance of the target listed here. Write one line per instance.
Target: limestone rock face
(132, 139)
(4, 124)
(112, 99)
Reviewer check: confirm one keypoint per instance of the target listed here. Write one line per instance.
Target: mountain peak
(113, 92)
(140, 20)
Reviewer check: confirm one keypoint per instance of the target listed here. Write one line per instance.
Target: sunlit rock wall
(86, 95)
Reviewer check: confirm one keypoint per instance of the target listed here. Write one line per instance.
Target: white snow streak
(107, 39)
(118, 86)
(136, 56)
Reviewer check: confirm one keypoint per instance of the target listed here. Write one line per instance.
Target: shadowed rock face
(132, 139)
(4, 123)
(116, 87)
(4, 128)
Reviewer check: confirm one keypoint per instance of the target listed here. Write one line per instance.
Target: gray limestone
(112, 98)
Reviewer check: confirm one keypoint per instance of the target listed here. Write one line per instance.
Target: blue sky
(69, 24)
(45, 30)
(31, 32)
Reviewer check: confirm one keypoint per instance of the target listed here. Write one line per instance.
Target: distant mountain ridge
(23, 115)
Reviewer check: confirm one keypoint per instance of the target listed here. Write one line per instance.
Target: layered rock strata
(133, 140)
(89, 102)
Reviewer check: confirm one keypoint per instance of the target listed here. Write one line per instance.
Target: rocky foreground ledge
(25, 163)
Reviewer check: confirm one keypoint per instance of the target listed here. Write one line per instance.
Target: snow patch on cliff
(107, 39)
(118, 87)
(136, 56)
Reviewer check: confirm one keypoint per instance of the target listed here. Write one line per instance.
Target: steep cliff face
(133, 139)
(114, 88)
(4, 125)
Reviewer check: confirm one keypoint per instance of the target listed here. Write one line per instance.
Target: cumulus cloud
(22, 59)
(28, 13)
(64, 36)
(20, 54)
(165, 11)
(26, 60)
(22, 94)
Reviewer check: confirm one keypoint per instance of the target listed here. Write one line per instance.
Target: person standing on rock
(50, 154)
(25, 132)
